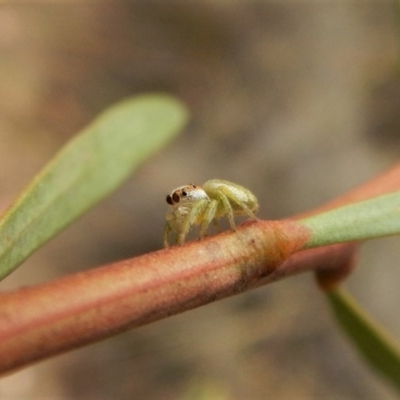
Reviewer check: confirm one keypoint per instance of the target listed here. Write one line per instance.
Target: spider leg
(216, 224)
(227, 208)
(232, 198)
(191, 219)
(208, 216)
(221, 198)
(167, 230)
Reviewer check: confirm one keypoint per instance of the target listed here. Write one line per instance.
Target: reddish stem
(48, 319)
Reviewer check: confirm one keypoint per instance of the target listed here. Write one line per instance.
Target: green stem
(373, 342)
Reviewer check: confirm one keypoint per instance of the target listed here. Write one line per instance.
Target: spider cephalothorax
(195, 205)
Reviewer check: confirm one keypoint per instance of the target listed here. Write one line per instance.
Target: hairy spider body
(195, 205)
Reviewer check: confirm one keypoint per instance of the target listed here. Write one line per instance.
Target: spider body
(192, 205)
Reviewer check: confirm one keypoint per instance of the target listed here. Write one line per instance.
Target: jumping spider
(195, 205)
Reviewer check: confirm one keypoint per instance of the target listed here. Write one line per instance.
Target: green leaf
(367, 219)
(88, 168)
(374, 344)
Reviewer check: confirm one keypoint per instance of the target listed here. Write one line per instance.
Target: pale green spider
(195, 205)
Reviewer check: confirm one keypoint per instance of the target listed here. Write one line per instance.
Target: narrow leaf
(88, 168)
(367, 219)
(373, 343)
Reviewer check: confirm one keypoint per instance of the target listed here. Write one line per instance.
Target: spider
(195, 205)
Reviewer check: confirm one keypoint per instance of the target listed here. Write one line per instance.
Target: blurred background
(298, 101)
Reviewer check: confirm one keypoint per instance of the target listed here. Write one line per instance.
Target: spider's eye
(169, 200)
(194, 186)
(175, 197)
(184, 194)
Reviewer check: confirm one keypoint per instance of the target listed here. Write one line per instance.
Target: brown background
(297, 101)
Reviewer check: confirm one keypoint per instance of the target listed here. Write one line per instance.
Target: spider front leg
(195, 214)
(167, 231)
